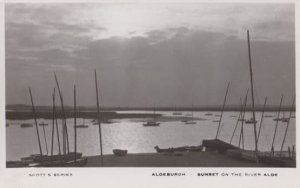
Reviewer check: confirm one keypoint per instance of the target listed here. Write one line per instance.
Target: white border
(139, 177)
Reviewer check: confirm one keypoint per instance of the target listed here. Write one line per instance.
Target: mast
(36, 125)
(243, 118)
(237, 122)
(262, 117)
(252, 92)
(218, 130)
(43, 125)
(287, 126)
(192, 112)
(99, 123)
(53, 122)
(154, 113)
(272, 148)
(75, 129)
(64, 116)
(66, 131)
(240, 114)
(56, 123)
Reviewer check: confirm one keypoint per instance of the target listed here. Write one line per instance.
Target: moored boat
(151, 123)
(82, 126)
(44, 158)
(26, 125)
(250, 121)
(119, 152)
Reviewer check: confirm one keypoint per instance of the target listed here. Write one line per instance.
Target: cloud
(147, 52)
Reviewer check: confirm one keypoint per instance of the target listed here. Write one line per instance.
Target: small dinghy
(119, 152)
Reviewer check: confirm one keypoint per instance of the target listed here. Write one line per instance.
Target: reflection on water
(130, 134)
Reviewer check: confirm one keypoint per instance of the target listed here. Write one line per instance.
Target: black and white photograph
(150, 85)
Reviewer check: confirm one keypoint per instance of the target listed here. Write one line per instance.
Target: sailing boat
(82, 125)
(191, 122)
(250, 121)
(176, 112)
(152, 122)
(65, 159)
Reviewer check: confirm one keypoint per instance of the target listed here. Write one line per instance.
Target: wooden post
(287, 127)
(75, 128)
(218, 130)
(36, 124)
(99, 123)
(262, 117)
(252, 94)
(272, 148)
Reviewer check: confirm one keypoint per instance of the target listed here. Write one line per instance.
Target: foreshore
(180, 159)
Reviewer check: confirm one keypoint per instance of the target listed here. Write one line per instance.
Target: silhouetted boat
(43, 124)
(179, 149)
(176, 112)
(82, 125)
(191, 122)
(45, 158)
(250, 121)
(208, 114)
(26, 125)
(159, 150)
(119, 152)
(152, 122)
(285, 120)
(194, 148)
(217, 145)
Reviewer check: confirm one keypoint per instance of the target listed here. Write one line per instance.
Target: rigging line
(75, 128)
(217, 134)
(36, 124)
(237, 122)
(65, 131)
(262, 117)
(99, 123)
(56, 123)
(243, 118)
(45, 137)
(255, 93)
(53, 123)
(287, 126)
(239, 117)
(272, 148)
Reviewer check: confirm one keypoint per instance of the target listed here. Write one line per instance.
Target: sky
(163, 54)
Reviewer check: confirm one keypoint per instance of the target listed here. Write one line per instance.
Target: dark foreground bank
(178, 159)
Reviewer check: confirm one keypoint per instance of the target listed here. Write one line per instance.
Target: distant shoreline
(270, 108)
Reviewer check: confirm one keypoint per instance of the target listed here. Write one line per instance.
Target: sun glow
(124, 21)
